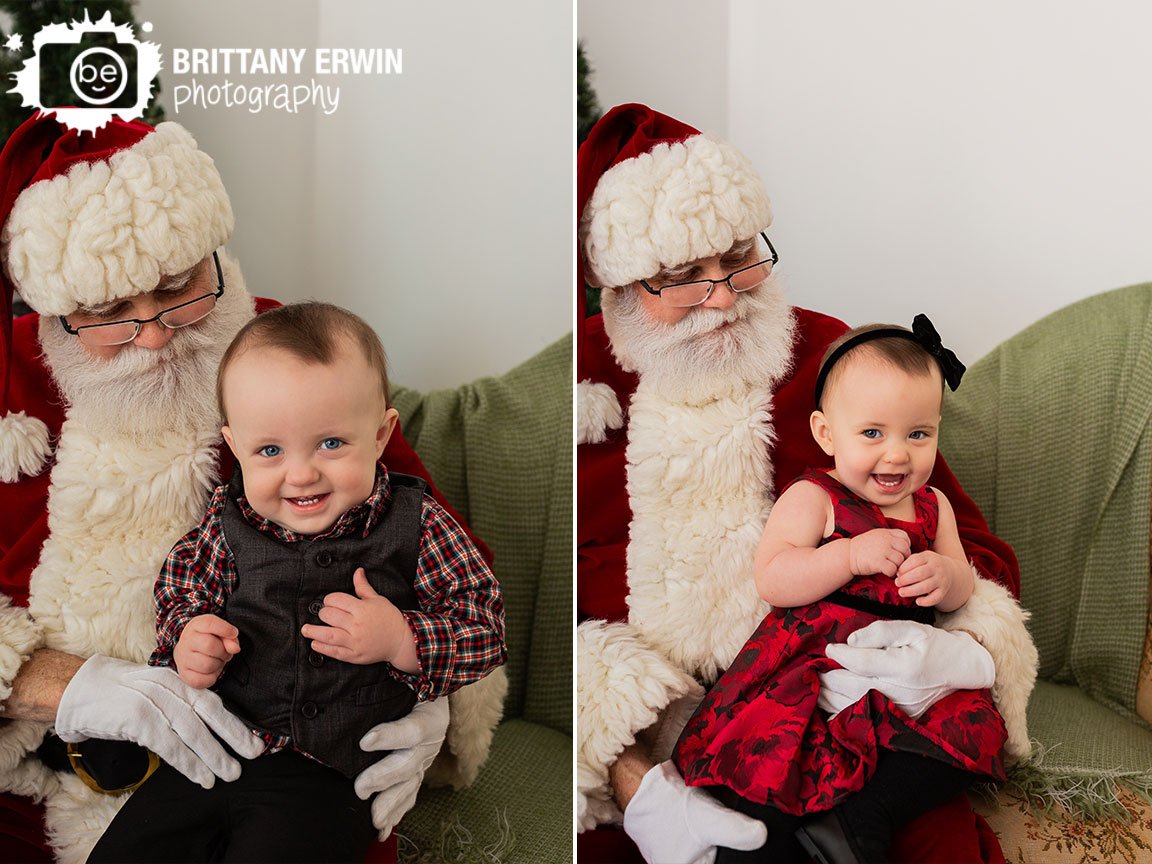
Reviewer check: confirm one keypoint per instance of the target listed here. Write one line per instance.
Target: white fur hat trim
(675, 203)
(112, 229)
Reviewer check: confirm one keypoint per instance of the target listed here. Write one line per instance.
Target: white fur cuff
(474, 713)
(19, 637)
(997, 621)
(622, 685)
(597, 411)
(24, 446)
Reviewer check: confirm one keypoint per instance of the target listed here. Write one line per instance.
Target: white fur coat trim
(115, 508)
(622, 685)
(998, 622)
(112, 228)
(24, 446)
(676, 203)
(698, 481)
(597, 411)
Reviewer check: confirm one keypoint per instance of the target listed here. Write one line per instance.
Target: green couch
(1051, 434)
(501, 451)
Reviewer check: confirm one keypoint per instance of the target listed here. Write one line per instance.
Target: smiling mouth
(308, 502)
(889, 481)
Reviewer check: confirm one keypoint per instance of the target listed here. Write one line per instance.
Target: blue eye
(269, 451)
(331, 444)
(871, 434)
(918, 435)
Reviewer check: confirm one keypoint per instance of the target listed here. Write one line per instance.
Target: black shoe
(826, 840)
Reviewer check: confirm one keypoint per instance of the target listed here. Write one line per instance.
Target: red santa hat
(87, 218)
(651, 193)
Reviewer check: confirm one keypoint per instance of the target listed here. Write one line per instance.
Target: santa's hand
(394, 780)
(150, 705)
(912, 664)
(672, 823)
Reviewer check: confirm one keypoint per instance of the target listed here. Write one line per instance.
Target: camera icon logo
(109, 72)
(98, 76)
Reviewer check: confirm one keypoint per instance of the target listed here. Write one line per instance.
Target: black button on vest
(277, 682)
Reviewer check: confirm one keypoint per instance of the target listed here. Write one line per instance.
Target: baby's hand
(927, 576)
(205, 645)
(367, 628)
(881, 550)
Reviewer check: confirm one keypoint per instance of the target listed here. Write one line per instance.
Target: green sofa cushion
(1050, 436)
(501, 451)
(508, 814)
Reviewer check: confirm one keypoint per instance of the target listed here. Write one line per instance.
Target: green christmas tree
(587, 105)
(25, 18)
(587, 113)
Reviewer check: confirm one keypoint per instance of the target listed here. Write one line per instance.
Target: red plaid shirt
(459, 627)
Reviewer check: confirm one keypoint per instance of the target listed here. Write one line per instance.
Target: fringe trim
(455, 843)
(1062, 792)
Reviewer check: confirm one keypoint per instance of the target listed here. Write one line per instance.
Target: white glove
(912, 664)
(672, 823)
(150, 705)
(394, 780)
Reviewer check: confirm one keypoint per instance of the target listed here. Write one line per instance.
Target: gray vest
(276, 682)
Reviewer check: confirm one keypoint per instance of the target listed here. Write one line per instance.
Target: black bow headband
(923, 334)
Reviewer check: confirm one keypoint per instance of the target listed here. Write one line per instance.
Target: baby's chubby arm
(206, 644)
(942, 576)
(792, 571)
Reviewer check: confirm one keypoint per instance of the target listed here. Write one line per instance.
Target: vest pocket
(373, 694)
(386, 700)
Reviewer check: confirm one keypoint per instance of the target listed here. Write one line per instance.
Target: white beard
(141, 391)
(692, 358)
(699, 469)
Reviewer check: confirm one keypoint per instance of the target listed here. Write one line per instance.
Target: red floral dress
(759, 730)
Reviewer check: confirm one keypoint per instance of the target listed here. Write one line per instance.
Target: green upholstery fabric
(1050, 435)
(508, 814)
(501, 451)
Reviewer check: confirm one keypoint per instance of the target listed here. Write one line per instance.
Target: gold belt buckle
(75, 757)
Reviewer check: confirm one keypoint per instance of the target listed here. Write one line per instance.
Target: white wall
(435, 203)
(670, 54)
(984, 162)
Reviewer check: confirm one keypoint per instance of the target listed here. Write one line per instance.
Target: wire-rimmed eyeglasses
(682, 294)
(124, 331)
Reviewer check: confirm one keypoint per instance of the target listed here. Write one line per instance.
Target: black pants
(904, 786)
(284, 807)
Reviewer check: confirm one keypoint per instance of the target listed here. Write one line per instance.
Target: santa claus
(109, 450)
(693, 410)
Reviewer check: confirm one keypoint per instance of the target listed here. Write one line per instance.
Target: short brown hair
(906, 355)
(310, 331)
